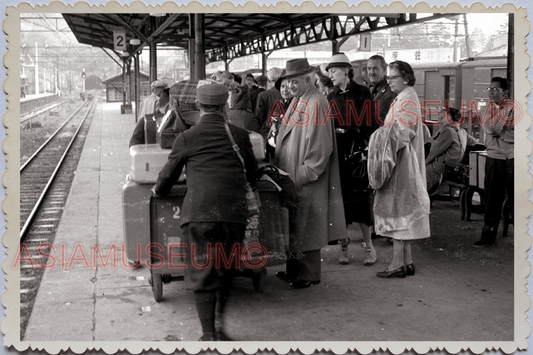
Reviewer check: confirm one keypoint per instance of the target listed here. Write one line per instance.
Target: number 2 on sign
(119, 39)
(176, 210)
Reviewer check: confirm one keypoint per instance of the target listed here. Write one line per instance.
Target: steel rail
(34, 113)
(25, 229)
(49, 139)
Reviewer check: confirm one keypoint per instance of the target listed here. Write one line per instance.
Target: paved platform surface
(458, 293)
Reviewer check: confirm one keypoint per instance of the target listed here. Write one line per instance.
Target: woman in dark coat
(351, 104)
(279, 110)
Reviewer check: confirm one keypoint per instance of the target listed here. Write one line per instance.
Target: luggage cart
(167, 248)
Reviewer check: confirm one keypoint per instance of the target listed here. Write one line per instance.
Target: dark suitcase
(269, 229)
(171, 126)
(151, 123)
(166, 248)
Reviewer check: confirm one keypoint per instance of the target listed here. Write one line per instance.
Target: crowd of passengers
(355, 148)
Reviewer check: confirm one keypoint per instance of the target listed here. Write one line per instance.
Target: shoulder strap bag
(252, 197)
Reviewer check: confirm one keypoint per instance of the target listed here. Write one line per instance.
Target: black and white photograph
(290, 177)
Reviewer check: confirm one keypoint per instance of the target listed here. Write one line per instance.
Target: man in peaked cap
(214, 208)
(306, 149)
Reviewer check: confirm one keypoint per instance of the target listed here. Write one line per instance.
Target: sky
(481, 21)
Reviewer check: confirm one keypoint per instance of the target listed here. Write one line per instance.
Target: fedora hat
(338, 60)
(295, 67)
(212, 94)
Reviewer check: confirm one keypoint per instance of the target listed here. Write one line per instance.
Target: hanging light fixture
(157, 14)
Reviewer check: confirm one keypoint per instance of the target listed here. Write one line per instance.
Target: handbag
(288, 197)
(357, 162)
(253, 201)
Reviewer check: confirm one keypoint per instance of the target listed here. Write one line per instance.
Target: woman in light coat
(397, 172)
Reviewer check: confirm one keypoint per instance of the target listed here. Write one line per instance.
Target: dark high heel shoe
(399, 272)
(285, 277)
(303, 284)
(410, 269)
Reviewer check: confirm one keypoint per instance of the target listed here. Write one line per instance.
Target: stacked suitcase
(152, 229)
(167, 252)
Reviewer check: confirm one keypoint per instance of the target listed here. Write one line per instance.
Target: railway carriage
(453, 84)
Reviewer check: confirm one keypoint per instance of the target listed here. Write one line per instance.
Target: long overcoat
(306, 149)
(397, 171)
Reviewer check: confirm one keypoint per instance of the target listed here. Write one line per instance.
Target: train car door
(433, 98)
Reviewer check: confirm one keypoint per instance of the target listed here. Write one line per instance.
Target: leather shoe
(221, 336)
(483, 243)
(303, 284)
(208, 337)
(410, 269)
(285, 277)
(399, 272)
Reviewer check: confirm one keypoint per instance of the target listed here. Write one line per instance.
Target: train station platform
(36, 96)
(459, 294)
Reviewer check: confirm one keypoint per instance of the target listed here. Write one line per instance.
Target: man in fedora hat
(146, 107)
(148, 104)
(306, 149)
(214, 208)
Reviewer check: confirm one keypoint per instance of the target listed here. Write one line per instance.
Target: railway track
(45, 180)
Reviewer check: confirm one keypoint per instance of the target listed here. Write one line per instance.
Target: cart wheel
(259, 280)
(157, 287)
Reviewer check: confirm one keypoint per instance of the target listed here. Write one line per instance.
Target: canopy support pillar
(153, 61)
(192, 71)
(199, 56)
(510, 56)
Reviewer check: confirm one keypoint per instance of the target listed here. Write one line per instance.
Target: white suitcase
(258, 145)
(147, 160)
(481, 162)
(476, 162)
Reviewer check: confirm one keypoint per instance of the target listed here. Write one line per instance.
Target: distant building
(499, 47)
(115, 91)
(280, 57)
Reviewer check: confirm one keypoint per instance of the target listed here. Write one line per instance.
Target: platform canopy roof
(228, 36)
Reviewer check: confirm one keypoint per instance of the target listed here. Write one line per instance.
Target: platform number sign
(364, 42)
(119, 39)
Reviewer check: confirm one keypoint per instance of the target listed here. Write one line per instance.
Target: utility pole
(36, 69)
(467, 38)
(455, 39)
(83, 80)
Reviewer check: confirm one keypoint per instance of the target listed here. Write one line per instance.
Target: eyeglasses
(392, 77)
(493, 89)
